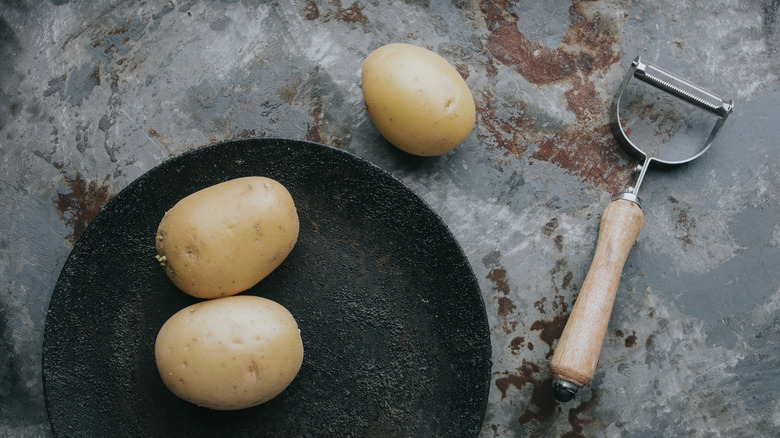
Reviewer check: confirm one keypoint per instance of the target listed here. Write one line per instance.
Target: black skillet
(394, 327)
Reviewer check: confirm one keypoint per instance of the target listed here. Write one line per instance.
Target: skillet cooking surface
(394, 328)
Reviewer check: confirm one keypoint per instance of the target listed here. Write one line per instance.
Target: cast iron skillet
(394, 327)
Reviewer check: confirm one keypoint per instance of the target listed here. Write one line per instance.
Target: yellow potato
(416, 99)
(229, 353)
(224, 239)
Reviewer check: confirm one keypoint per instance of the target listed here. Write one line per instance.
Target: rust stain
(120, 29)
(246, 133)
(463, 70)
(550, 226)
(631, 340)
(537, 63)
(78, 206)
(351, 14)
(96, 75)
(649, 341)
(539, 305)
(558, 302)
(590, 46)
(314, 132)
(584, 102)
(500, 284)
(548, 229)
(560, 266)
(578, 421)
(169, 144)
(542, 406)
(542, 403)
(507, 131)
(550, 330)
(567, 279)
(685, 222)
(498, 277)
(526, 374)
(505, 306)
(516, 344)
(311, 11)
(592, 155)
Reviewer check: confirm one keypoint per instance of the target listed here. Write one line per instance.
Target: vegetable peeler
(577, 353)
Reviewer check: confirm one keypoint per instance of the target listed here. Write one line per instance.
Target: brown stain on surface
(498, 277)
(567, 279)
(539, 305)
(245, 133)
(79, 205)
(526, 374)
(463, 70)
(685, 223)
(558, 241)
(96, 75)
(516, 344)
(631, 340)
(505, 306)
(509, 131)
(314, 132)
(170, 145)
(351, 14)
(311, 11)
(550, 226)
(593, 155)
(579, 421)
(590, 46)
(542, 402)
(587, 47)
(542, 407)
(537, 63)
(561, 266)
(550, 330)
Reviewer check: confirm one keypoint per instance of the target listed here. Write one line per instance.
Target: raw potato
(224, 239)
(229, 353)
(416, 99)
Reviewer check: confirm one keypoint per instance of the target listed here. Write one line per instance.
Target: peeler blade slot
(682, 89)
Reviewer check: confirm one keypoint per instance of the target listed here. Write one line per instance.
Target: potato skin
(229, 353)
(224, 239)
(416, 99)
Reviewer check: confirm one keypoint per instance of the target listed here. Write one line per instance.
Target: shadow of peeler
(575, 358)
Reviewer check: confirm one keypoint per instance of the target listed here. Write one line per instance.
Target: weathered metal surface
(93, 94)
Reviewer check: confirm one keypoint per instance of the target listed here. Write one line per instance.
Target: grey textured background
(95, 93)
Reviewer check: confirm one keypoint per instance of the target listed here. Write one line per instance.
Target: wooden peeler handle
(574, 361)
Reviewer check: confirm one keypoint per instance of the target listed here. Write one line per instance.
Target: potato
(229, 353)
(224, 239)
(416, 99)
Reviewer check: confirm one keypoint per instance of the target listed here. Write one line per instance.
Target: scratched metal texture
(93, 94)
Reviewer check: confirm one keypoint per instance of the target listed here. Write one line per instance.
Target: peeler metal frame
(576, 356)
(680, 88)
